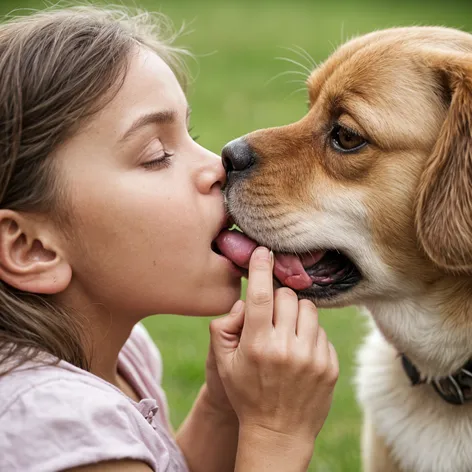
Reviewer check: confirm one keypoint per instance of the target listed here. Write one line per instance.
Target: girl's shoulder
(140, 362)
(54, 417)
(141, 352)
(138, 359)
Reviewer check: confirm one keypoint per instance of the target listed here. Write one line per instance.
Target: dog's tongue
(289, 269)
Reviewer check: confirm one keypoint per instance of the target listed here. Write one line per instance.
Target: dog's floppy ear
(444, 203)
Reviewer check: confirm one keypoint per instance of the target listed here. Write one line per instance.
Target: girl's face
(145, 204)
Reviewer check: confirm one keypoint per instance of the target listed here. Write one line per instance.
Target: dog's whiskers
(304, 54)
(297, 81)
(302, 89)
(299, 64)
(286, 72)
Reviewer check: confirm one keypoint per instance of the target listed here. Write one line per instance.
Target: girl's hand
(275, 362)
(216, 396)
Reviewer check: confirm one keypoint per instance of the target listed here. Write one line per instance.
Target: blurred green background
(238, 89)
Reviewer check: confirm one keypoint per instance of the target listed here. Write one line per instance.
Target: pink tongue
(287, 268)
(290, 271)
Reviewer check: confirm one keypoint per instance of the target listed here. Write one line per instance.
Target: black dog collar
(455, 389)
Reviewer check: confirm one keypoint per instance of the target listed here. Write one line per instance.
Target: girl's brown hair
(58, 68)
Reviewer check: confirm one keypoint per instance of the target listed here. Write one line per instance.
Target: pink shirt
(57, 417)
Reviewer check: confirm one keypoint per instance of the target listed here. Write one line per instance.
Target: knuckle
(272, 352)
(261, 297)
(322, 336)
(307, 305)
(322, 368)
(280, 355)
(214, 326)
(333, 375)
(285, 292)
(254, 353)
(330, 377)
(304, 361)
(280, 358)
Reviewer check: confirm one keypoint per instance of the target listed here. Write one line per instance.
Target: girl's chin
(216, 306)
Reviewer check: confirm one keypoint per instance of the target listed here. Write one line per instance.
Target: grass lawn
(237, 43)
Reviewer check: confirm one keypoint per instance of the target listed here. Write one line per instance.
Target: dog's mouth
(320, 274)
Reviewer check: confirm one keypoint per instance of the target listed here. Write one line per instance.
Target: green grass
(237, 43)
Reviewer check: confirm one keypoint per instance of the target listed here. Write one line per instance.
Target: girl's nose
(212, 173)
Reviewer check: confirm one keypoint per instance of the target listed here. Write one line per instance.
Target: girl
(108, 212)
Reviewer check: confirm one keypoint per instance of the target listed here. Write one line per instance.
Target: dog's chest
(425, 433)
(437, 346)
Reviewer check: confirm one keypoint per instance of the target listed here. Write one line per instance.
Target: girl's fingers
(225, 331)
(307, 323)
(326, 358)
(321, 339)
(334, 359)
(259, 295)
(285, 311)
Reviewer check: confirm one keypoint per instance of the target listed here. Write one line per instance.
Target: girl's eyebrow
(163, 117)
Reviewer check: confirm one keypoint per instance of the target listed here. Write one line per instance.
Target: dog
(374, 185)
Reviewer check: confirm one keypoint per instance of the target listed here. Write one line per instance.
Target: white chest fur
(425, 433)
(434, 342)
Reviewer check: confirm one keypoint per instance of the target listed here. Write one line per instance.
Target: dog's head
(378, 173)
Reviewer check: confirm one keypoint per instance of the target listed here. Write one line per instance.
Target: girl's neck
(107, 342)
(105, 332)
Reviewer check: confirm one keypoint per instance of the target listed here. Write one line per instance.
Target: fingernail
(237, 307)
(263, 253)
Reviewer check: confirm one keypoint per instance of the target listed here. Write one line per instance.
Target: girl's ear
(444, 203)
(29, 260)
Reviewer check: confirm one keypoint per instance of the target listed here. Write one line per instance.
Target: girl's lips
(226, 223)
(288, 268)
(235, 269)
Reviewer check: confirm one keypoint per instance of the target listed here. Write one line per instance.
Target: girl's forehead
(147, 73)
(149, 87)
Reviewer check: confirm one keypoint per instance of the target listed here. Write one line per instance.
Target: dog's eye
(346, 140)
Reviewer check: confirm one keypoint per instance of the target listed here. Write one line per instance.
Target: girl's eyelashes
(160, 162)
(164, 158)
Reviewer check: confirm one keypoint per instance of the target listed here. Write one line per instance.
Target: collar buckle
(455, 389)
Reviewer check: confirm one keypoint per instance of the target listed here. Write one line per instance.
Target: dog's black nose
(237, 156)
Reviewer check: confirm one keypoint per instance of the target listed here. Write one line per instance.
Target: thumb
(225, 331)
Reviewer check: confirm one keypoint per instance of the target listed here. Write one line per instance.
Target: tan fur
(445, 196)
(401, 208)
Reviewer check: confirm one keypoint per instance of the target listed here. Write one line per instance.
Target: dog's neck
(437, 341)
(454, 389)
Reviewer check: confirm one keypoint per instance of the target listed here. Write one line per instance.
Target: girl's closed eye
(160, 162)
(156, 157)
